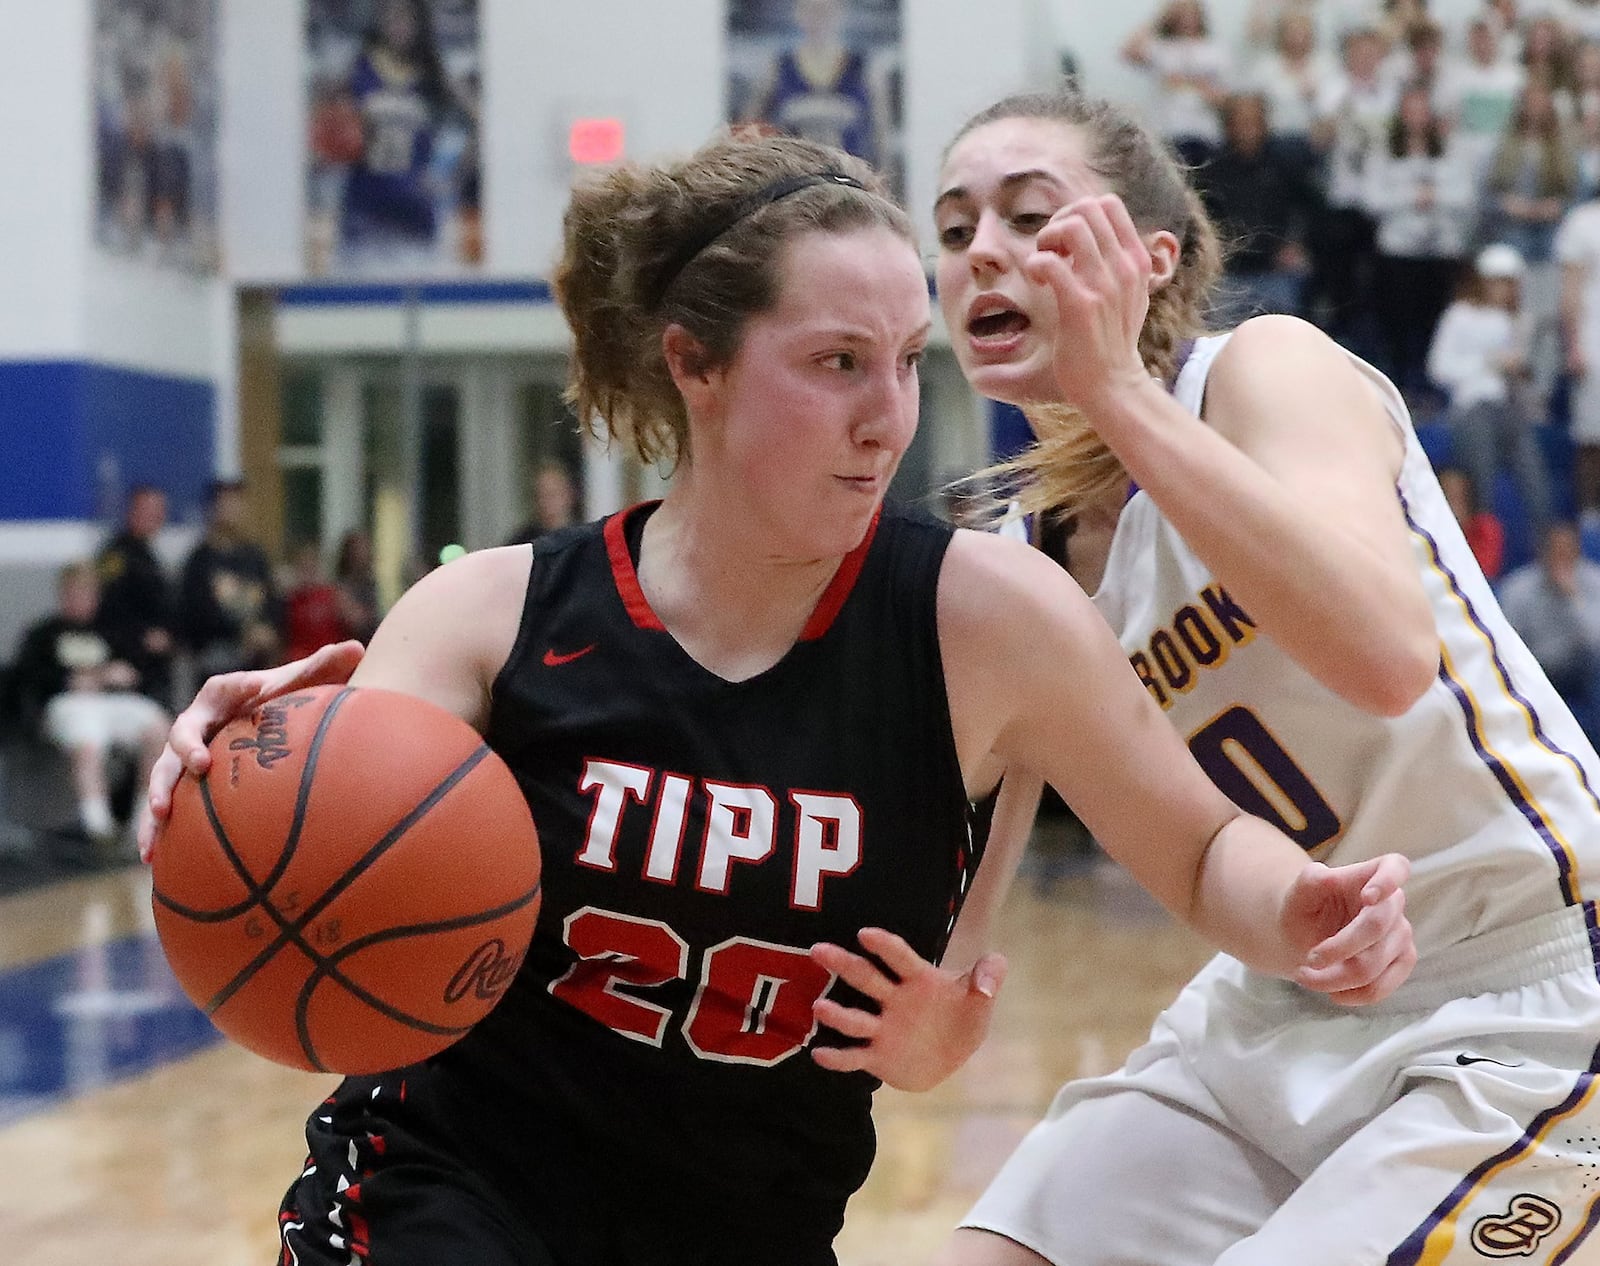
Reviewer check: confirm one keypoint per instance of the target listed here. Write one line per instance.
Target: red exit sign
(598, 140)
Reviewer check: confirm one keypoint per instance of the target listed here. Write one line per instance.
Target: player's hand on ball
(220, 700)
(1352, 922)
(929, 1020)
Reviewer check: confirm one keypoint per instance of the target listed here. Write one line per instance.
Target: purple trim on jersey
(1474, 722)
(1572, 1246)
(1411, 1248)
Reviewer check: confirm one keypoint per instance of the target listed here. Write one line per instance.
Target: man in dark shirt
(231, 612)
(1262, 200)
(136, 602)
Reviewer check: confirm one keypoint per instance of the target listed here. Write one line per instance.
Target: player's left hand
(1352, 922)
(929, 1020)
(1092, 257)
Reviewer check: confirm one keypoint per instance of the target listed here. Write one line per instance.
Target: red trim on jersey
(844, 580)
(626, 576)
(638, 606)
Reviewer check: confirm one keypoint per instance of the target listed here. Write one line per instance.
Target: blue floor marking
(86, 1019)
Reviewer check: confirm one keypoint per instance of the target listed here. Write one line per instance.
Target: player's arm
(1286, 489)
(1009, 832)
(1037, 678)
(444, 641)
(451, 633)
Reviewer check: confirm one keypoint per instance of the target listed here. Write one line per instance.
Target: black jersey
(643, 1092)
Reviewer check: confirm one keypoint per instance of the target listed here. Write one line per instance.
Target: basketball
(352, 885)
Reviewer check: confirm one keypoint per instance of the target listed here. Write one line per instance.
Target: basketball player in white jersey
(1256, 520)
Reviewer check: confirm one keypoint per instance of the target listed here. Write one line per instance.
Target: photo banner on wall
(155, 87)
(828, 70)
(392, 181)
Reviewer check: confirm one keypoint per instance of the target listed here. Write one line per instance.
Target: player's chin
(1018, 381)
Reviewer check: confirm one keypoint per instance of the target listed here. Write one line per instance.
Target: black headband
(745, 206)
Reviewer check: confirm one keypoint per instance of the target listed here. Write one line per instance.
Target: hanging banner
(392, 181)
(156, 130)
(828, 70)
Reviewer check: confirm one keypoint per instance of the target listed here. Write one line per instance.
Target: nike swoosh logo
(552, 660)
(1465, 1060)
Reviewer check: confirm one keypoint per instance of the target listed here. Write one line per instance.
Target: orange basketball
(352, 885)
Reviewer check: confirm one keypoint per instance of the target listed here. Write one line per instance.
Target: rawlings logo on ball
(487, 972)
(271, 741)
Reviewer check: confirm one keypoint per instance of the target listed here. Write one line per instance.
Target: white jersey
(1486, 783)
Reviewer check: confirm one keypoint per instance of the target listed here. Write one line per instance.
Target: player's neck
(736, 605)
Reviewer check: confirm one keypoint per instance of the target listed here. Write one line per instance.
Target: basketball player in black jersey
(752, 719)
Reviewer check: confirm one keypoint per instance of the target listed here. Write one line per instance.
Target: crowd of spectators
(99, 675)
(1423, 182)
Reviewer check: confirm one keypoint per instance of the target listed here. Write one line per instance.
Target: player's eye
(955, 237)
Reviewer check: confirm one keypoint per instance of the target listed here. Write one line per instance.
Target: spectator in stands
(1263, 202)
(358, 586)
(1507, 22)
(313, 616)
(1395, 17)
(1486, 535)
(1421, 62)
(1352, 127)
(1581, 100)
(1480, 357)
(230, 607)
(1263, 22)
(1423, 196)
(1533, 179)
(88, 701)
(1487, 85)
(1554, 605)
(1191, 70)
(1577, 248)
(1582, 19)
(555, 503)
(1546, 53)
(1580, 110)
(1292, 78)
(137, 611)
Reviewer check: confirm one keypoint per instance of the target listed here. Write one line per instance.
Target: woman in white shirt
(1191, 69)
(1479, 356)
(1422, 193)
(1292, 77)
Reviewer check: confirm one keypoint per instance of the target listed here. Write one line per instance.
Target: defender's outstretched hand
(1352, 922)
(929, 1020)
(220, 700)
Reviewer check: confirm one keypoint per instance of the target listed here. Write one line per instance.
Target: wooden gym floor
(130, 1136)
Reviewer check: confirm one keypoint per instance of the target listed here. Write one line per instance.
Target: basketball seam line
(290, 931)
(327, 969)
(255, 891)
